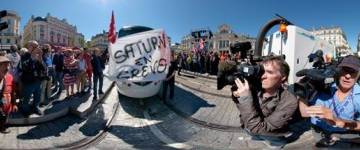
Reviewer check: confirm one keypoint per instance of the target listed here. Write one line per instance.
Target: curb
(99, 100)
(90, 141)
(200, 74)
(56, 115)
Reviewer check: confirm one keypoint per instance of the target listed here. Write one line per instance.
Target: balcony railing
(9, 34)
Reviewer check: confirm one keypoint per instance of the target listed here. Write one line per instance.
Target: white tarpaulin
(143, 56)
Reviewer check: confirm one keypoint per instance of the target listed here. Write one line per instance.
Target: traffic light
(3, 25)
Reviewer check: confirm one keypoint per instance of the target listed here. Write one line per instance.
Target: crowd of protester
(203, 61)
(30, 76)
(33, 76)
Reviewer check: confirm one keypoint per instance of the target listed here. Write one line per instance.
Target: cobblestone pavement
(139, 124)
(154, 126)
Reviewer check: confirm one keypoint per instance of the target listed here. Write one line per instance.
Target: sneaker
(39, 112)
(95, 98)
(5, 130)
(101, 92)
(325, 142)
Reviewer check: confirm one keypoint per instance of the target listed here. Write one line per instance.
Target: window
(58, 37)
(52, 36)
(9, 22)
(42, 29)
(0, 41)
(220, 44)
(41, 36)
(8, 41)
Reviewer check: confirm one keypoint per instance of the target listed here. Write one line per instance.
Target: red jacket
(87, 58)
(7, 95)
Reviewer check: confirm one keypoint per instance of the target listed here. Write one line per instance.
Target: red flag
(112, 32)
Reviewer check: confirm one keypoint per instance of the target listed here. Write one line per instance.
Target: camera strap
(343, 106)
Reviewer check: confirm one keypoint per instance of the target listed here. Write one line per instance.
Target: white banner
(143, 56)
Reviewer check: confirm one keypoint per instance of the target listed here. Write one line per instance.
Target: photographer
(335, 115)
(266, 114)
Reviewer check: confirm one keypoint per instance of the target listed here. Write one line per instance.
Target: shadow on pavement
(95, 123)
(55, 128)
(138, 137)
(50, 129)
(132, 105)
(186, 102)
(136, 133)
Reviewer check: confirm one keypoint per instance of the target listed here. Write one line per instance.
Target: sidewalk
(69, 131)
(78, 105)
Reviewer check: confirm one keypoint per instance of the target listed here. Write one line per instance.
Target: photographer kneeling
(267, 114)
(336, 115)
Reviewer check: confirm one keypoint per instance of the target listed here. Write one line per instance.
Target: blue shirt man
(336, 115)
(348, 109)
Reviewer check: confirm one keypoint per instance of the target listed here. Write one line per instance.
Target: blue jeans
(96, 79)
(28, 90)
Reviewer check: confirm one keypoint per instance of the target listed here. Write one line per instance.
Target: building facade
(51, 30)
(100, 41)
(335, 36)
(79, 40)
(11, 35)
(220, 41)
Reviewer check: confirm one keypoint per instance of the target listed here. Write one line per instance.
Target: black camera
(319, 78)
(246, 68)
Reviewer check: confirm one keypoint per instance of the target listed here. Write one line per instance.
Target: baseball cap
(351, 61)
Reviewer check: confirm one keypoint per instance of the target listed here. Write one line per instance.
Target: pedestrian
(46, 82)
(32, 71)
(70, 71)
(8, 102)
(170, 79)
(89, 70)
(58, 62)
(14, 58)
(81, 77)
(98, 67)
(180, 62)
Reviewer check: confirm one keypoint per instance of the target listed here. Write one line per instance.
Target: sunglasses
(347, 70)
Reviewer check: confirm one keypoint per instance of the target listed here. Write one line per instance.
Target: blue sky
(178, 17)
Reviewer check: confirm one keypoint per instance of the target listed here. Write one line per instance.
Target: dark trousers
(279, 141)
(170, 83)
(3, 119)
(349, 136)
(28, 90)
(96, 79)
(179, 69)
(59, 76)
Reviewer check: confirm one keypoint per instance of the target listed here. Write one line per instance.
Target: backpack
(27, 68)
